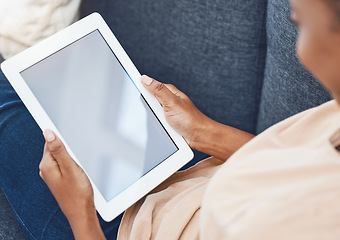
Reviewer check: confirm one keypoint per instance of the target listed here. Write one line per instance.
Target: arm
(200, 132)
(220, 140)
(71, 188)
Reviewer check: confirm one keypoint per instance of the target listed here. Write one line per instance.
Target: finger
(49, 168)
(45, 150)
(175, 91)
(41, 175)
(48, 163)
(159, 90)
(56, 149)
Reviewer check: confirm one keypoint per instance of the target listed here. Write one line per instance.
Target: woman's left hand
(69, 184)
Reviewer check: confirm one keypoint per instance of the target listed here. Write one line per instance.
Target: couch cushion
(213, 50)
(287, 87)
(25, 22)
(9, 225)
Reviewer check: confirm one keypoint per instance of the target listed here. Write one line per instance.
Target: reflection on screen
(100, 113)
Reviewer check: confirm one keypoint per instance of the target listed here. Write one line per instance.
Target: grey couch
(9, 226)
(235, 59)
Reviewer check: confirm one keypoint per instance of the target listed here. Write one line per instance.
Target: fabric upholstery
(26, 22)
(212, 50)
(287, 87)
(9, 226)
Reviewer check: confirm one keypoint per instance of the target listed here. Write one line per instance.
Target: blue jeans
(21, 148)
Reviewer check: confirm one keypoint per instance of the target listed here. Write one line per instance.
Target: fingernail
(49, 135)
(146, 80)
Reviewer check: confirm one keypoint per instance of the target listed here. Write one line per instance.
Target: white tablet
(81, 84)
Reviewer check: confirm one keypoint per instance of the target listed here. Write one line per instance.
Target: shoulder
(281, 182)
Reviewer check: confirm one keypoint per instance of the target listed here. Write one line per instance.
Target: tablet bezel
(15, 65)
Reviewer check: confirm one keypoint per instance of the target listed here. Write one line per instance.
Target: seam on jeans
(258, 97)
(5, 122)
(19, 219)
(48, 222)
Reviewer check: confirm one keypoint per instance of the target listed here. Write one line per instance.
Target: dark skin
(318, 45)
(318, 49)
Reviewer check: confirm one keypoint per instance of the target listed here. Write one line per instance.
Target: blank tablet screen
(100, 113)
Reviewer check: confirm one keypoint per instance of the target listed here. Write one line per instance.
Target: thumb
(56, 148)
(159, 90)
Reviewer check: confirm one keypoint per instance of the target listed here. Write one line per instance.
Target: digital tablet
(81, 84)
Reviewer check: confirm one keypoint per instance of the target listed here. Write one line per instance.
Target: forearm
(219, 140)
(87, 228)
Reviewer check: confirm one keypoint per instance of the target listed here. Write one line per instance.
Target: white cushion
(26, 22)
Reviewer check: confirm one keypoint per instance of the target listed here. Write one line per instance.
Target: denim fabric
(287, 87)
(21, 150)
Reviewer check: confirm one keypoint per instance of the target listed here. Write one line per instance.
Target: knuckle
(58, 148)
(43, 167)
(41, 174)
(159, 88)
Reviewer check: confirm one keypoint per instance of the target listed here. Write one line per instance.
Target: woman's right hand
(179, 110)
(200, 132)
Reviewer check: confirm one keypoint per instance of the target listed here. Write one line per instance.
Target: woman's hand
(71, 188)
(179, 110)
(200, 132)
